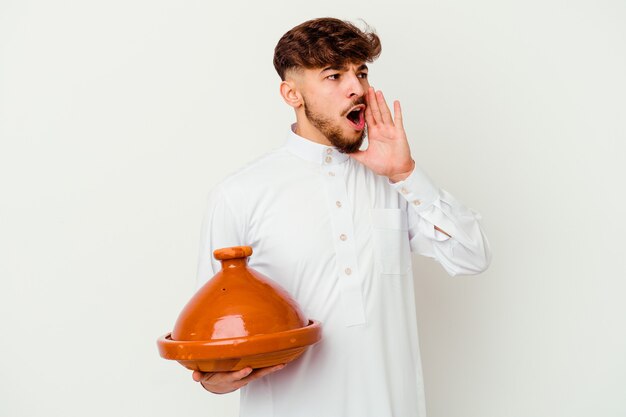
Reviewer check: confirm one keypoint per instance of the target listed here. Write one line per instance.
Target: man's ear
(290, 93)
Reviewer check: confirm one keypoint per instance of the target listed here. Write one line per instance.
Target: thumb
(359, 156)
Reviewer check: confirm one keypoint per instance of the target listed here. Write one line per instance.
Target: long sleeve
(221, 228)
(467, 251)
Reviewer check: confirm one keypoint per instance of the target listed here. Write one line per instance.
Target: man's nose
(355, 88)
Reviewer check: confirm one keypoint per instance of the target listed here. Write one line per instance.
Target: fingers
(218, 378)
(385, 114)
(372, 106)
(239, 375)
(397, 114)
(369, 117)
(223, 382)
(377, 110)
(260, 373)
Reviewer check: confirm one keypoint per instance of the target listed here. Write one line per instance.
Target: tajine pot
(237, 319)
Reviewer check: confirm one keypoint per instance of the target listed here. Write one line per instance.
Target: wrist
(404, 174)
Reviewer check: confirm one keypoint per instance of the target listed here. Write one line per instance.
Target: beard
(333, 132)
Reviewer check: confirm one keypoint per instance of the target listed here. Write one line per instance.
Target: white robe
(338, 238)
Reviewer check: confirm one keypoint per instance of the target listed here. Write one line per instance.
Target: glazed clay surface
(239, 318)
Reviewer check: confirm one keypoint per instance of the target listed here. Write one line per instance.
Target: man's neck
(308, 131)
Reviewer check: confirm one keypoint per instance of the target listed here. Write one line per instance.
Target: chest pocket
(391, 240)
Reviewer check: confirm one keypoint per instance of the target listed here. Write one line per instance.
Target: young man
(334, 225)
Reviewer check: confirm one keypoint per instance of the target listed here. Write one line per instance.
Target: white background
(117, 117)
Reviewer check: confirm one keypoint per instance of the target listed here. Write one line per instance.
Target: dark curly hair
(325, 41)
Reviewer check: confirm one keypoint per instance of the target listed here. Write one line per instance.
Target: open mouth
(356, 117)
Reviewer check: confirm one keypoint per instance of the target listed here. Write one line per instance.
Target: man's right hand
(224, 382)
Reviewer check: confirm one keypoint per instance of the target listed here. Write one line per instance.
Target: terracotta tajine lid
(239, 318)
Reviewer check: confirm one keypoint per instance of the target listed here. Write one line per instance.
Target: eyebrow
(342, 68)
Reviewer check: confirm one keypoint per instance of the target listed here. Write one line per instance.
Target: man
(334, 225)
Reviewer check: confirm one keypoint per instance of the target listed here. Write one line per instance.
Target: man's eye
(363, 75)
(333, 77)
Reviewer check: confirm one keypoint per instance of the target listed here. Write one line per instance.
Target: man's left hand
(388, 151)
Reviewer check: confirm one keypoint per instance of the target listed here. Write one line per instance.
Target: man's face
(334, 103)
